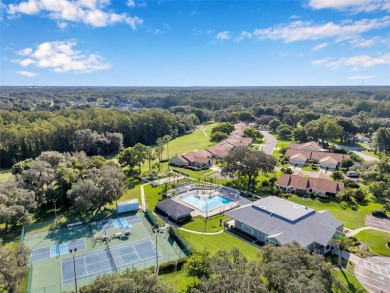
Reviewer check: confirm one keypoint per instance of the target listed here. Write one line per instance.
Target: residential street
(356, 150)
(270, 142)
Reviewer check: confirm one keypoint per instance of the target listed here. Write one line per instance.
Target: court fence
(30, 277)
(180, 240)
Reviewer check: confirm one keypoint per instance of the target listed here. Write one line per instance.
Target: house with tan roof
(298, 159)
(195, 159)
(308, 146)
(328, 162)
(298, 184)
(312, 151)
(217, 151)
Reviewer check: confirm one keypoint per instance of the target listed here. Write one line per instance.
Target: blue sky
(195, 43)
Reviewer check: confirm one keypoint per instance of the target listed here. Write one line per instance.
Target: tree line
(63, 179)
(26, 134)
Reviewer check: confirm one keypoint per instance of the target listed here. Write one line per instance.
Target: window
(247, 229)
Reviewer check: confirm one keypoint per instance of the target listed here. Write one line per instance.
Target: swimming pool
(205, 205)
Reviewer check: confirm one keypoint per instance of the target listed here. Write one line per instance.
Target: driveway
(357, 150)
(374, 222)
(270, 142)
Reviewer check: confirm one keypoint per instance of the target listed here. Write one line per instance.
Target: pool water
(212, 202)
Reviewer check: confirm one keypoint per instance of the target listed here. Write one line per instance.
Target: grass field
(376, 240)
(177, 280)
(223, 241)
(350, 282)
(188, 143)
(352, 219)
(370, 153)
(212, 223)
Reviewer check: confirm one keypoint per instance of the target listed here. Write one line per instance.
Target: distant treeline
(26, 134)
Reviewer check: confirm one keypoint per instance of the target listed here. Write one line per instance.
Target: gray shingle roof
(173, 207)
(287, 222)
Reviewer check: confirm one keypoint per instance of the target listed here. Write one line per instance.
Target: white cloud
(24, 52)
(301, 31)
(244, 35)
(354, 5)
(130, 3)
(360, 77)
(320, 46)
(26, 73)
(320, 61)
(225, 35)
(60, 56)
(356, 62)
(89, 12)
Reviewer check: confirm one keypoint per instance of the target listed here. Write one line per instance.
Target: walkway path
(143, 202)
(203, 233)
(204, 132)
(270, 142)
(356, 231)
(348, 256)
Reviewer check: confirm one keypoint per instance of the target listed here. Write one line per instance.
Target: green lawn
(370, 153)
(352, 219)
(350, 282)
(212, 223)
(152, 196)
(194, 174)
(309, 168)
(376, 240)
(178, 280)
(223, 241)
(188, 143)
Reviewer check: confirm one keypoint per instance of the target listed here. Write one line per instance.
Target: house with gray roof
(277, 221)
(174, 210)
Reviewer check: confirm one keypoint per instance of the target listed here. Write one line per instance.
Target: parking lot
(374, 222)
(374, 274)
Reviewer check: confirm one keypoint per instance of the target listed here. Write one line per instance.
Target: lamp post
(73, 252)
(205, 221)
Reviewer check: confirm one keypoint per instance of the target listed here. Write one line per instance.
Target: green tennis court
(52, 267)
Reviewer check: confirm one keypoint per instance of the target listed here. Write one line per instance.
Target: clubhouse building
(277, 221)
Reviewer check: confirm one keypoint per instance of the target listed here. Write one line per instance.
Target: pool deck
(205, 194)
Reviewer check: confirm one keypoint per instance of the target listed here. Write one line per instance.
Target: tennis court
(118, 222)
(57, 249)
(107, 260)
(51, 266)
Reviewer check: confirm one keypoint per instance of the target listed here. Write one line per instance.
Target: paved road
(357, 150)
(270, 142)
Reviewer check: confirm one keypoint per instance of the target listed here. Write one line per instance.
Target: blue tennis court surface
(57, 250)
(118, 222)
(107, 260)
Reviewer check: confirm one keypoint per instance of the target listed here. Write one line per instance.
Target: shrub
(379, 213)
(343, 205)
(351, 184)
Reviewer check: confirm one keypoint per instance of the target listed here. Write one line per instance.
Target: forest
(100, 120)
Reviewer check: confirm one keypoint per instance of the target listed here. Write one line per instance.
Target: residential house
(217, 151)
(195, 159)
(179, 161)
(278, 221)
(298, 159)
(298, 184)
(312, 151)
(361, 138)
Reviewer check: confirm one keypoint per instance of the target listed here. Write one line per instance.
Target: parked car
(352, 174)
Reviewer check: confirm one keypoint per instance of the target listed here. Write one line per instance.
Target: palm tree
(342, 242)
